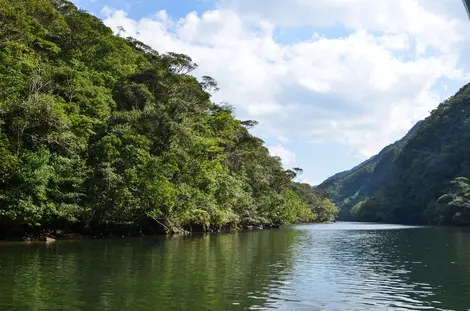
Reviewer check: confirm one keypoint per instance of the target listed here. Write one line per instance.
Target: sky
(331, 82)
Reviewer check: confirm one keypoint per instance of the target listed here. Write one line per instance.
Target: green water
(342, 266)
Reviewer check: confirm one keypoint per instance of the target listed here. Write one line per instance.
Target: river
(340, 266)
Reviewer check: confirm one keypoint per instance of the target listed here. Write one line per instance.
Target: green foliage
(319, 206)
(454, 206)
(426, 177)
(95, 128)
(351, 187)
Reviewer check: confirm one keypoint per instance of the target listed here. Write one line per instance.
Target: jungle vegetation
(97, 129)
(422, 179)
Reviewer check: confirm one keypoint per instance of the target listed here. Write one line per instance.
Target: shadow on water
(208, 272)
(342, 266)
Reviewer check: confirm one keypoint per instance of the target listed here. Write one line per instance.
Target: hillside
(98, 132)
(420, 179)
(351, 187)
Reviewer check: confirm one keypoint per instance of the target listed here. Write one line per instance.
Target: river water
(341, 266)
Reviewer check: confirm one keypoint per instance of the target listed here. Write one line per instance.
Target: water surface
(341, 266)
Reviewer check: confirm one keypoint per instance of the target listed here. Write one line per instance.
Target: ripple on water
(341, 267)
(354, 269)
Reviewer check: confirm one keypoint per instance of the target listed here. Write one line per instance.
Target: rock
(49, 240)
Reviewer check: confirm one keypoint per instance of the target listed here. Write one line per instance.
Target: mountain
(353, 186)
(420, 179)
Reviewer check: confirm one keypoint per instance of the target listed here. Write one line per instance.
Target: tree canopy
(421, 179)
(96, 128)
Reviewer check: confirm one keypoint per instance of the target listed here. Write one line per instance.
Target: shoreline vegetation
(101, 135)
(110, 230)
(422, 179)
(80, 231)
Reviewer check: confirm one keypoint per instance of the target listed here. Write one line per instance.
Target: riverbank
(12, 231)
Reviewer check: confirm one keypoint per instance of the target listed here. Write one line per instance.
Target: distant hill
(421, 178)
(351, 187)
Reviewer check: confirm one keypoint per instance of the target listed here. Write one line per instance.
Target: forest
(424, 178)
(98, 132)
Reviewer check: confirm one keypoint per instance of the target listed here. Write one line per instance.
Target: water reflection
(343, 266)
(350, 266)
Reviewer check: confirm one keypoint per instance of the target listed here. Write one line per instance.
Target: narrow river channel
(341, 266)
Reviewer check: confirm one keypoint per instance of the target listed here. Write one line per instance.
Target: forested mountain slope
(351, 187)
(426, 179)
(98, 130)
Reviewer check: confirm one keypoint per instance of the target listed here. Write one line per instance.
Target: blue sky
(331, 82)
(141, 8)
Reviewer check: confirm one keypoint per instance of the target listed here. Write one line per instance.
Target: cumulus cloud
(287, 156)
(423, 19)
(364, 88)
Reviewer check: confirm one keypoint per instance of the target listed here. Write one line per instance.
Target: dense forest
(350, 187)
(97, 131)
(422, 179)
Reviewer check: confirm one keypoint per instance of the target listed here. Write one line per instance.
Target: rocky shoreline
(79, 231)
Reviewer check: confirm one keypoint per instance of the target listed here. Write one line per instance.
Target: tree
(98, 129)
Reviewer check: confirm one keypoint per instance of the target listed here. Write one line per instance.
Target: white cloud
(364, 89)
(423, 19)
(287, 156)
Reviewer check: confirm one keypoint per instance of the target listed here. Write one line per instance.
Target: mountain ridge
(421, 178)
